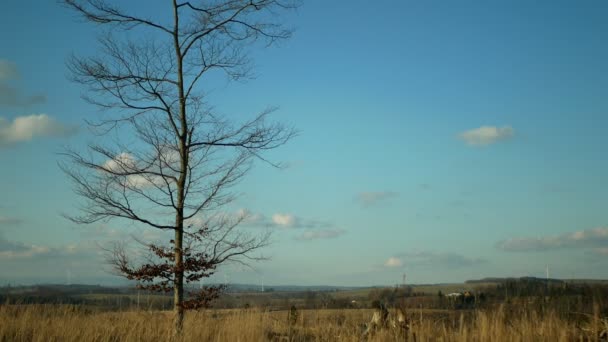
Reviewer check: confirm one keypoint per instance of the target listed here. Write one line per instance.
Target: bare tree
(181, 158)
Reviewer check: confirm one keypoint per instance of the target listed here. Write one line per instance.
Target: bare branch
(100, 12)
(174, 162)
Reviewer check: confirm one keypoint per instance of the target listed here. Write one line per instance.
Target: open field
(517, 310)
(71, 323)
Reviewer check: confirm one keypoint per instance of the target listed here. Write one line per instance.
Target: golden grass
(69, 323)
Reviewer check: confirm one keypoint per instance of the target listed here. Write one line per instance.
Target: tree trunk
(178, 287)
(178, 284)
(178, 281)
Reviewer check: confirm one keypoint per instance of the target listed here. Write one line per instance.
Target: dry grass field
(71, 323)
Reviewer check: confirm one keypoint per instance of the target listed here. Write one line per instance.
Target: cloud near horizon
(370, 198)
(486, 135)
(83, 261)
(13, 250)
(26, 128)
(595, 239)
(435, 259)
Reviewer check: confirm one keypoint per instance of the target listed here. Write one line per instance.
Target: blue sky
(448, 141)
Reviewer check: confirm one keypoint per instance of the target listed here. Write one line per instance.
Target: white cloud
(284, 220)
(367, 199)
(125, 163)
(26, 128)
(8, 70)
(320, 234)
(486, 135)
(393, 262)
(589, 238)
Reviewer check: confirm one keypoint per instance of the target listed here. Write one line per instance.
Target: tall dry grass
(70, 323)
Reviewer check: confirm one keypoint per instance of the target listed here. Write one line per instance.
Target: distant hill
(499, 280)
(57, 289)
(289, 288)
(74, 289)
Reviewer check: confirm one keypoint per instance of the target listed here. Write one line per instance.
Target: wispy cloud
(434, 259)
(277, 220)
(251, 218)
(320, 234)
(291, 221)
(104, 233)
(10, 95)
(8, 70)
(600, 251)
(294, 164)
(9, 221)
(308, 229)
(370, 198)
(41, 262)
(425, 186)
(312, 229)
(589, 238)
(244, 216)
(486, 135)
(12, 250)
(26, 128)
